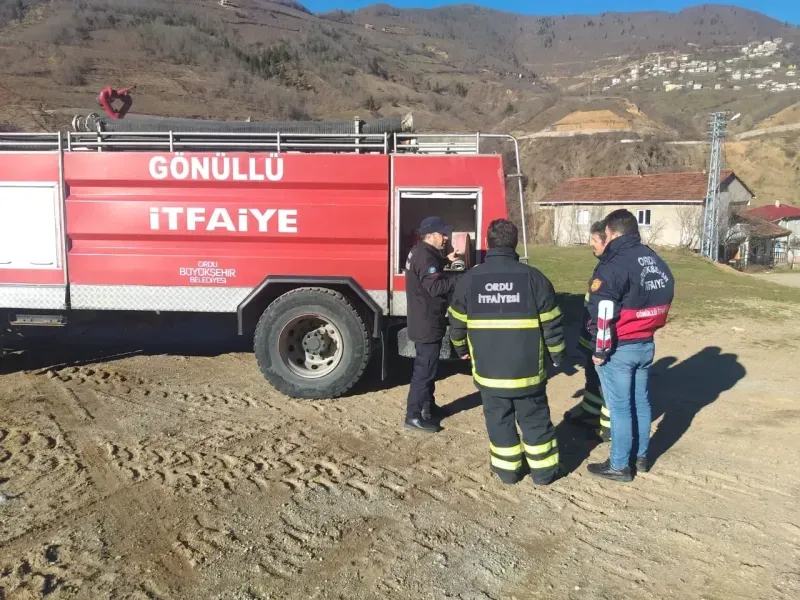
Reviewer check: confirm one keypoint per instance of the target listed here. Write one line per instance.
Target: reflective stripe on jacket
(504, 314)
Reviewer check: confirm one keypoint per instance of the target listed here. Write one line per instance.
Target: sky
(783, 10)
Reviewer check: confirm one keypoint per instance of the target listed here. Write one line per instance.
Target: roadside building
(669, 206)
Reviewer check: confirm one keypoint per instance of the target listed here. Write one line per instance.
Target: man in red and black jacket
(640, 288)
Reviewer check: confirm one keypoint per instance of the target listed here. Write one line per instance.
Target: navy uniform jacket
(428, 289)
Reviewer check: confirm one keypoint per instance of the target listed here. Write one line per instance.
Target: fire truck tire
(312, 343)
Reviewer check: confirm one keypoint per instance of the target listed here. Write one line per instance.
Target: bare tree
(575, 233)
(727, 229)
(597, 213)
(793, 251)
(652, 235)
(690, 225)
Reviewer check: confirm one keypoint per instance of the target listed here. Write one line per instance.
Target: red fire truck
(303, 237)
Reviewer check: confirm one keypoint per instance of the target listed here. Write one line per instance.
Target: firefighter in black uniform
(428, 289)
(504, 317)
(592, 410)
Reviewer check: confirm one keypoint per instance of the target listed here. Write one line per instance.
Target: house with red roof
(668, 206)
(782, 215)
(787, 218)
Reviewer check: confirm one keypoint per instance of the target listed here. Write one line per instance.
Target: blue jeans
(624, 380)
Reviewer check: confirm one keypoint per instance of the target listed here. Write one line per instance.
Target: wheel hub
(311, 346)
(317, 342)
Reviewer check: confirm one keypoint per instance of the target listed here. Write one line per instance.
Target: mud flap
(384, 365)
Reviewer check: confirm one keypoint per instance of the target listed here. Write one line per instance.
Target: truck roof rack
(176, 141)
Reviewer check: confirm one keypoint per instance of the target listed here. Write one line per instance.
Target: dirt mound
(770, 167)
(788, 116)
(588, 120)
(624, 116)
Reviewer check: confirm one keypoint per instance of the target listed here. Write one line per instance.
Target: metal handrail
(41, 142)
(176, 141)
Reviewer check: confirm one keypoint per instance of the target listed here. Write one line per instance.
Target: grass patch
(702, 291)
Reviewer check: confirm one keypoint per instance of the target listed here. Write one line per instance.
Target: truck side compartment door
(31, 250)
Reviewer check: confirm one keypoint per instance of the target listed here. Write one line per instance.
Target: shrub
(71, 71)
(371, 104)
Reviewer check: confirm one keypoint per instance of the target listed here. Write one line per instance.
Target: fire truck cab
(304, 238)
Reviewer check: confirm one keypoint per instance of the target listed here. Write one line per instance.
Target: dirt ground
(185, 476)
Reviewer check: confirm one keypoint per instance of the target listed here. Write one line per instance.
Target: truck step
(38, 320)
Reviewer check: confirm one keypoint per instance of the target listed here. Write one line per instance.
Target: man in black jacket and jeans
(428, 289)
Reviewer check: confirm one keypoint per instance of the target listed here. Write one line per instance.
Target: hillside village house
(782, 215)
(786, 217)
(669, 206)
(752, 241)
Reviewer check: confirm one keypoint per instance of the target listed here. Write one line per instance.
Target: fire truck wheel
(312, 343)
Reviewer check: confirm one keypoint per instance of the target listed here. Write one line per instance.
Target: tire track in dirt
(126, 517)
(58, 566)
(287, 462)
(116, 379)
(276, 462)
(247, 461)
(615, 530)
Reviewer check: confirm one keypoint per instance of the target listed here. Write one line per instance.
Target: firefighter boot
(578, 416)
(511, 477)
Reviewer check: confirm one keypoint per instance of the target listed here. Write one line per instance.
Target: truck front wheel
(312, 343)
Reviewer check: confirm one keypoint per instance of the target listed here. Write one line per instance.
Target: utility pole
(711, 216)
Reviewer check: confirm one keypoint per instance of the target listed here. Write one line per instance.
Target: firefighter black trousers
(423, 378)
(538, 452)
(592, 410)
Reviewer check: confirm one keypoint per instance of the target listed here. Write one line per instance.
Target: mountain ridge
(457, 68)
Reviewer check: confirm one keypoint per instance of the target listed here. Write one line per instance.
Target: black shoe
(605, 471)
(420, 424)
(642, 465)
(434, 411)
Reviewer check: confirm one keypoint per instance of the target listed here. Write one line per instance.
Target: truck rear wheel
(312, 343)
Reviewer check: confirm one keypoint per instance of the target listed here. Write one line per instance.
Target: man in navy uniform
(428, 289)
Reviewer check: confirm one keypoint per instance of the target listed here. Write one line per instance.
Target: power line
(716, 130)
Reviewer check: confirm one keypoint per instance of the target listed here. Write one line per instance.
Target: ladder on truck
(464, 144)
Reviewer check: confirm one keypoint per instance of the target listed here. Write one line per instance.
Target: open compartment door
(460, 208)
